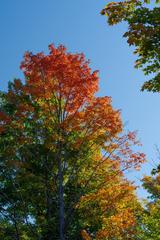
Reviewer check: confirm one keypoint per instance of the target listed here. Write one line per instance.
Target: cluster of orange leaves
(112, 205)
(62, 85)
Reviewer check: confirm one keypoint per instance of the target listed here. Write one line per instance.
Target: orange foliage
(65, 75)
(85, 235)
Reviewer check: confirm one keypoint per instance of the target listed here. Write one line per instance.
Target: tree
(59, 143)
(143, 33)
(150, 219)
(111, 209)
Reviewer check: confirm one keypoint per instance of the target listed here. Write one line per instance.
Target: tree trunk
(48, 201)
(17, 237)
(61, 201)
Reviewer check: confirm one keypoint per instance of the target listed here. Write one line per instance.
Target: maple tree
(111, 209)
(149, 220)
(143, 33)
(61, 148)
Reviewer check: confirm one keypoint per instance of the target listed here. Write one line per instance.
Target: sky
(34, 24)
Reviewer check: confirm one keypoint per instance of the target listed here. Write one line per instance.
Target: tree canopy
(143, 33)
(149, 221)
(63, 154)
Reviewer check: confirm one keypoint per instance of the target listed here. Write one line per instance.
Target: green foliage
(143, 33)
(149, 220)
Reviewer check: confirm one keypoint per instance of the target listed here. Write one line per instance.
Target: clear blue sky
(33, 24)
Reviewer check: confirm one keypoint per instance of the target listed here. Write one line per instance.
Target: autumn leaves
(65, 153)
